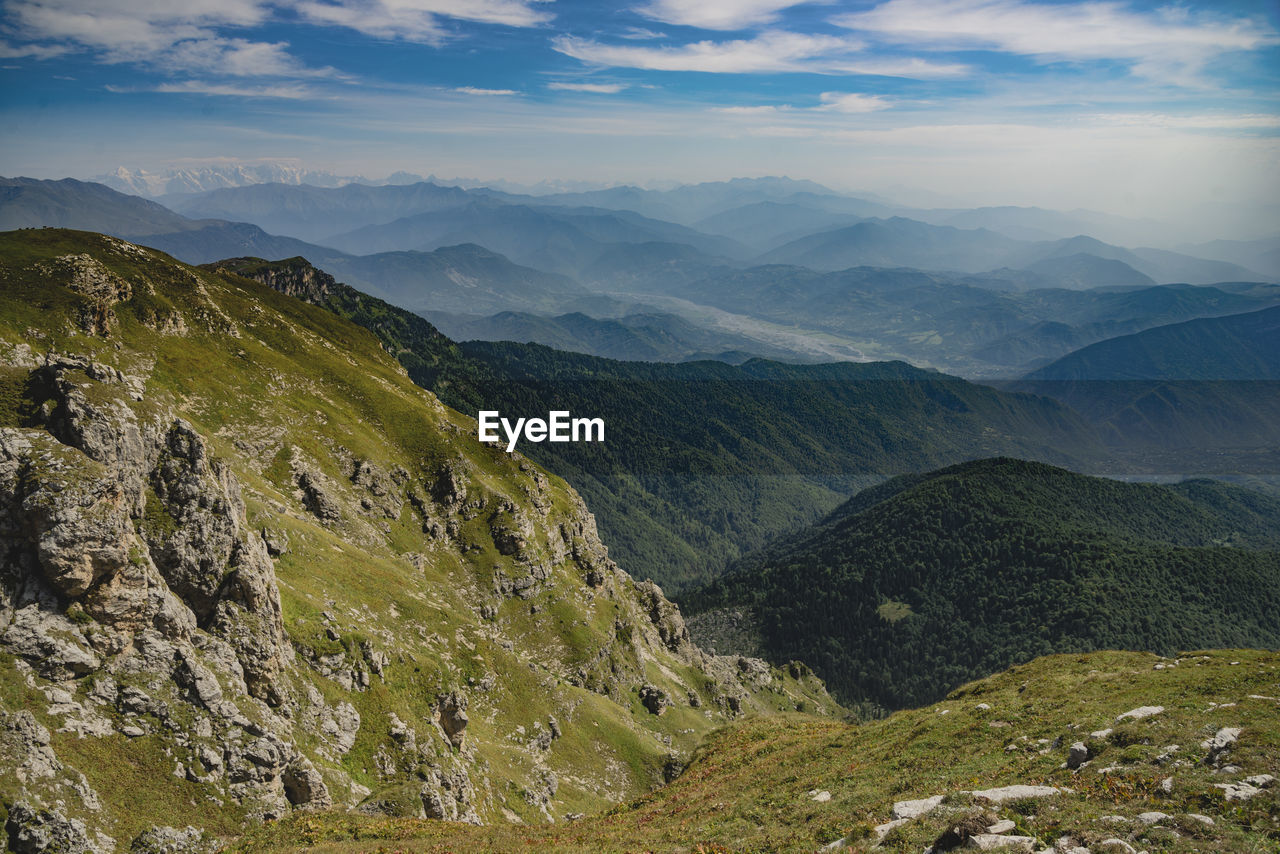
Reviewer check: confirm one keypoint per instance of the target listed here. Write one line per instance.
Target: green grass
(747, 789)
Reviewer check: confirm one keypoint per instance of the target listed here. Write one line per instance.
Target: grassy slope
(748, 788)
(263, 377)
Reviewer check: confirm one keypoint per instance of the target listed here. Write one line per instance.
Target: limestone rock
(1014, 793)
(303, 785)
(452, 710)
(654, 699)
(996, 842)
(1220, 744)
(1140, 713)
(1077, 755)
(917, 808)
(170, 840)
(45, 831)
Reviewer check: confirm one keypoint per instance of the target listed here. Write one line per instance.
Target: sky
(1167, 110)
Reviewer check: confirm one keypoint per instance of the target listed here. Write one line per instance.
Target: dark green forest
(929, 581)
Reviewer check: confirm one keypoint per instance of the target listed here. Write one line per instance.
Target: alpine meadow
(650, 426)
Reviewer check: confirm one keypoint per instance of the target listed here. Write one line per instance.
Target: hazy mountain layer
(651, 337)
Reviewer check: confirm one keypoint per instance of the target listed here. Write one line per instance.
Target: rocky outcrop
(293, 277)
(48, 831)
(436, 593)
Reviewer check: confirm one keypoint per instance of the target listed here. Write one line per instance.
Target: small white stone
(882, 830)
(995, 842)
(1203, 819)
(1001, 827)
(821, 797)
(1140, 713)
(1152, 817)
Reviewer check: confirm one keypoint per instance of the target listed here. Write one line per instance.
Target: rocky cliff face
(249, 568)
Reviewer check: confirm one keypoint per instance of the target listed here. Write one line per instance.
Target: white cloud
(475, 90)
(1167, 41)
(418, 20)
(852, 102)
(181, 37)
(597, 88)
(200, 87)
(1204, 121)
(189, 35)
(716, 14)
(772, 51)
(640, 34)
(762, 110)
(35, 51)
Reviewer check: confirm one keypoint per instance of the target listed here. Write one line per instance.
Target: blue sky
(1138, 108)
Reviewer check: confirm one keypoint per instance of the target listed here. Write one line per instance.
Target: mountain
(997, 754)
(895, 242)
(33, 203)
(248, 567)
(770, 224)
(1161, 265)
(452, 278)
(1261, 255)
(927, 581)
(1082, 271)
(317, 213)
(175, 181)
(654, 337)
(561, 240)
(704, 461)
(1037, 224)
(689, 203)
(1235, 347)
(464, 278)
(1207, 390)
(962, 324)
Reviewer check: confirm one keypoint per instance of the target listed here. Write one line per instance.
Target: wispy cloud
(597, 88)
(292, 92)
(1172, 40)
(640, 34)
(475, 90)
(34, 51)
(773, 51)
(170, 37)
(419, 20)
(716, 14)
(189, 36)
(760, 110)
(852, 102)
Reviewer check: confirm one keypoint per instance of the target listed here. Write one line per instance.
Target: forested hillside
(925, 582)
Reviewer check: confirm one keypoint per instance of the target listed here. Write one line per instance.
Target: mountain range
(999, 315)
